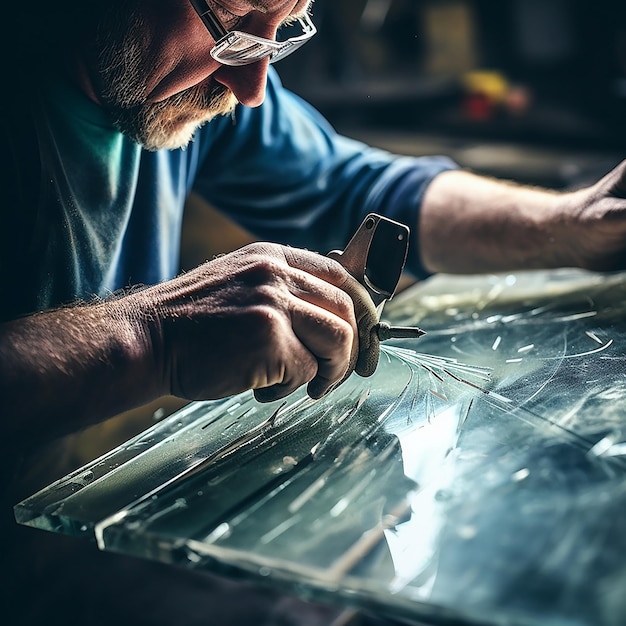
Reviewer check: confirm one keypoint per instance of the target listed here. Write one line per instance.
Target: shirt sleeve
(283, 173)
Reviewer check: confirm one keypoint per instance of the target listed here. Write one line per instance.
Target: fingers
(369, 351)
(327, 338)
(333, 346)
(283, 317)
(368, 342)
(364, 358)
(332, 316)
(328, 341)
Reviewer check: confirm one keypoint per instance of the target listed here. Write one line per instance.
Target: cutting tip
(386, 331)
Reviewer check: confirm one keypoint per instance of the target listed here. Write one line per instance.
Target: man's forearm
(470, 224)
(66, 369)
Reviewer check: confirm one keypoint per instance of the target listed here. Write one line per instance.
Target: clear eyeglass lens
(289, 31)
(242, 52)
(240, 49)
(286, 50)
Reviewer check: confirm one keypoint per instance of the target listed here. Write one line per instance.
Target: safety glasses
(238, 48)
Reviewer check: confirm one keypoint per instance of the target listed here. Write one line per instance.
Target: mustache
(209, 97)
(193, 100)
(151, 124)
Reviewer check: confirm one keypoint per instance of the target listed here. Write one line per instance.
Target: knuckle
(262, 248)
(265, 322)
(335, 267)
(345, 305)
(266, 296)
(342, 332)
(340, 336)
(262, 273)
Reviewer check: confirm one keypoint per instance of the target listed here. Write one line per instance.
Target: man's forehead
(267, 6)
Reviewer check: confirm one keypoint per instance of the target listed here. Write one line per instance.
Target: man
(108, 216)
(119, 110)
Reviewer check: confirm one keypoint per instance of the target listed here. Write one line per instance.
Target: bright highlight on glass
(237, 48)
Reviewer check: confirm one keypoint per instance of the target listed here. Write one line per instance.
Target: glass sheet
(477, 478)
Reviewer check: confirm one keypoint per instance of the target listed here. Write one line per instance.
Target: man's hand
(265, 317)
(595, 220)
(471, 224)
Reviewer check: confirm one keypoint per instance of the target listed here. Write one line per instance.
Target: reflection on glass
(479, 475)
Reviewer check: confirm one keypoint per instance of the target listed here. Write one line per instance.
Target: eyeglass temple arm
(209, 19)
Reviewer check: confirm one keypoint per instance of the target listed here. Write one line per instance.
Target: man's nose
(247, 82)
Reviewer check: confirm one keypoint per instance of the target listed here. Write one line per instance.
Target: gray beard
(121, 66)
(156, 126)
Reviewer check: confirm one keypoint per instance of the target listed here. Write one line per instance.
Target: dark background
(533, 90)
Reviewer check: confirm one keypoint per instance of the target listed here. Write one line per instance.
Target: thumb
(369, 351)
(369, 343)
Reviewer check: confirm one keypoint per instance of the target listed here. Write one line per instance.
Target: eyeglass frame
(222, 36)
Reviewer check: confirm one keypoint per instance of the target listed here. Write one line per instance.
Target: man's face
(155, 76)
(124, 64)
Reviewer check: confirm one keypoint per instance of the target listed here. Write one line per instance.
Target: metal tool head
(376, 255)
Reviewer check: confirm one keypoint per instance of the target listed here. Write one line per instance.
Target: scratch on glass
(353, 493)
(521, 475)
(577, 316)
(593, 336)
(234, 445)
(501, 398)
(250, 410)
(280, 529)
(359, 403)
(579, 354)
(298, 502)
(367, 542)
(440, 366)
(617, 449)
(611, 445)
(439, 395)
(466, 382)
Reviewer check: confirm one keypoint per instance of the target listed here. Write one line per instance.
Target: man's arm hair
(66, 369)
(472, 224)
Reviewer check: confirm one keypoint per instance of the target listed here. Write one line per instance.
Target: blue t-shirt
(107, 214)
